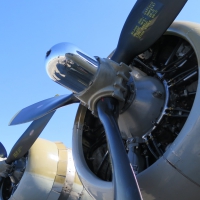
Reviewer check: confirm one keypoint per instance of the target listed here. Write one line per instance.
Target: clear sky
(29, 28)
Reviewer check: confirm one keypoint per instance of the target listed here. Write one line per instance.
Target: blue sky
(29, 28)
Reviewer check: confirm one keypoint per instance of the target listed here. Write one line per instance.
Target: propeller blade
(42, 108)
(3, 152)
(25, 142)
(147, 21)
(125, 182)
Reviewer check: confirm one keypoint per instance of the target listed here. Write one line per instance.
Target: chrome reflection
(70, 67)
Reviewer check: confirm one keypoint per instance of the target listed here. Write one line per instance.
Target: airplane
(142, 101)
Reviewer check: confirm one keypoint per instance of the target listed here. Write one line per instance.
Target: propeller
(3, 152)
(27, 139)
(42, 108)
(77, 71)
(147, 21)
(126, 186)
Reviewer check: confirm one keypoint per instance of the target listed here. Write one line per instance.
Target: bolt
(129, 101)
(157, 94)
(130, 140)
(90, 83)
(132, 91)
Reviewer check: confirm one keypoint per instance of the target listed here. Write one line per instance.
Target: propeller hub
(70, 67)
(88, 78)
(145, 108)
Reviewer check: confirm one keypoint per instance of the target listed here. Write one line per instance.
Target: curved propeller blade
(125, 182)
(42, 108)
(147, 21)
(3, 152)
(25, 142)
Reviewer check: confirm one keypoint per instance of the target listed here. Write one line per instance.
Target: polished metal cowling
(70, 67)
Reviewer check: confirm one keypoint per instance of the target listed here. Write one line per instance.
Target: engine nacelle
(164, 178)
(49, 174)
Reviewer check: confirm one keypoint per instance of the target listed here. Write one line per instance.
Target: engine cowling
(165, 177)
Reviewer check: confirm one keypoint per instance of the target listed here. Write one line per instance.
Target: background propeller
(3, 152)
(27, 139)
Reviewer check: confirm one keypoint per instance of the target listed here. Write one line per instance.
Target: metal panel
(163, 182)
(184, 153)
(98, 188)
(40, 172)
